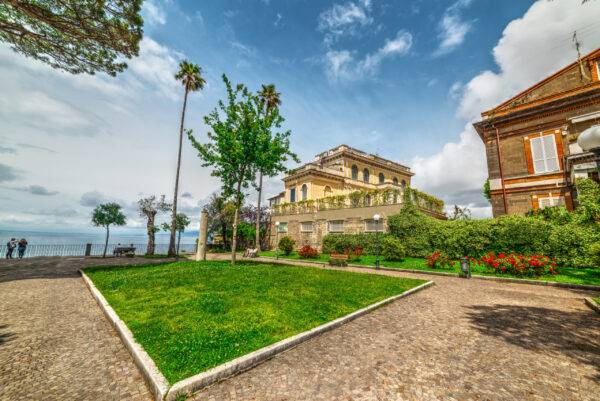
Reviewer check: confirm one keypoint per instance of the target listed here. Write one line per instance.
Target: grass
(588, 276)
(192, 316)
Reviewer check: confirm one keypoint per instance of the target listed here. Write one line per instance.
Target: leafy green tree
(78, 36)
(486, 190)
(149, 207)
(274, 147)
(588, 201)
(233, 146)
(190, 76)
(181, 224)
(105, 215)
(220, 217)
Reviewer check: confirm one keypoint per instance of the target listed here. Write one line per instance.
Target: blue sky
(404, 80)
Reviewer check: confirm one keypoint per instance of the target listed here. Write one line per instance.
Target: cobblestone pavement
(55, 343)
(458, 340)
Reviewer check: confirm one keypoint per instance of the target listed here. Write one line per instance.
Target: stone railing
(377, 197)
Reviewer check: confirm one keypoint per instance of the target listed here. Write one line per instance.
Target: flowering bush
(519, 265)
(439, 260)
(354, 254)
(308, 252)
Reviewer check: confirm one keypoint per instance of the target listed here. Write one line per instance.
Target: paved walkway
(459, 340)
(55, 343)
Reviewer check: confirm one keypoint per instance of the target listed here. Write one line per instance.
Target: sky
(401, 79)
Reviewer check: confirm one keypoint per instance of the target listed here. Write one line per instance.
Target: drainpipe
(500, 167)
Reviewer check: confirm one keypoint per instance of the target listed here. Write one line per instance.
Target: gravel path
(459, 340)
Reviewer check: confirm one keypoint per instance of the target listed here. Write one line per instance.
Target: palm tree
(270, 99)
(190, 76)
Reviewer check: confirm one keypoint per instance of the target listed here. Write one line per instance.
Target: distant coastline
(46, 237)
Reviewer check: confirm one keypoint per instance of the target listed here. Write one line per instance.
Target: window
(327, 191)
(306, 227)
(368, 200)
(550, 201)
(395, 181)
(304, 192)
(366, 175)
(543, 154)
(403, 184)
(336, 226)
(292, 195)
(354, 172)
(372, 226)
(282, 228)
(381, 178)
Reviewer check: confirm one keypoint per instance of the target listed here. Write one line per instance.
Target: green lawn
(590, 276)
(191, 316)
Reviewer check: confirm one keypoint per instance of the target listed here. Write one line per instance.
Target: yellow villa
(341, 191)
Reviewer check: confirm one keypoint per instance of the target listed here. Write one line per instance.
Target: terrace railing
(94, 249)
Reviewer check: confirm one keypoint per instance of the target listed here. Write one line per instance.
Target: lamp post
(276, 240)
(589, 140)
(377, 218)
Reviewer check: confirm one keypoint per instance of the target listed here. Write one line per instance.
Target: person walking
(22, 247)
(10, 247)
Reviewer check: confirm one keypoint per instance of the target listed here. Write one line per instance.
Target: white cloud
(453, 29)
(456, 90)
(344, 19)
(531, 48)
(153, 13)
(342, 65)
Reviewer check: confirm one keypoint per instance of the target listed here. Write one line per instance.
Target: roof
(513, 103)
(363, 156)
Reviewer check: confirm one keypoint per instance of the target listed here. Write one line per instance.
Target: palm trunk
(150, 229)
(105, 242)
(174, 216)
(178, 240)
(257, 240)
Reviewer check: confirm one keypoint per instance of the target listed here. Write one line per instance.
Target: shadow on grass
(575, 335)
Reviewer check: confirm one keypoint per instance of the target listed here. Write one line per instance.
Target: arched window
(327, 190)
(304, 192)
(395, 180)
(366, 175)
(292, 195)
(354, 172)
(403, 184)
(368, 200)
(381, 178)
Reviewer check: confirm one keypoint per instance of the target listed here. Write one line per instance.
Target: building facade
(341, 191)
(531, 140)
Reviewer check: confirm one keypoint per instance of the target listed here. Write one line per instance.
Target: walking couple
(12, 244)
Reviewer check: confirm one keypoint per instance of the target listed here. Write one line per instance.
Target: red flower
(502, 256)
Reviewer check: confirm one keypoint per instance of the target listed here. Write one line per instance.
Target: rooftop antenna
(577, 47)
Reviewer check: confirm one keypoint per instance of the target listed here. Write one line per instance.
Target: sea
(47, 237)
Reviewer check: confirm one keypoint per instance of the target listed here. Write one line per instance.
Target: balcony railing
(377, 197)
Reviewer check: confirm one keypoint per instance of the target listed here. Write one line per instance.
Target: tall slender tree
(191, 78)
(149, 207)
(106, 214)
(233, 146)
(270, 99)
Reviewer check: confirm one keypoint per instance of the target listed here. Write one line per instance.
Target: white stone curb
(159, 385)
(592, 304)
(192, 384)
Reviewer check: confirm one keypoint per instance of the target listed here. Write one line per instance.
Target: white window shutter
(550, 152)
(537, 155)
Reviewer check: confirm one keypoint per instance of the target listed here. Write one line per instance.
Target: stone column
(202, 233)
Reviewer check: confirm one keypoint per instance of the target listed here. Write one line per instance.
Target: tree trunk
(174, 216)
(224, 235)
(257, 240)
(238, 201)
(178, 240)
(150, 229)
(105, 242)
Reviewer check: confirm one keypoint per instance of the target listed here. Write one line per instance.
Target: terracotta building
(531, 139)
(341, 191)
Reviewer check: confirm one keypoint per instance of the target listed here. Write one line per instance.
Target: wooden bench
(124, 251)
(338, 259)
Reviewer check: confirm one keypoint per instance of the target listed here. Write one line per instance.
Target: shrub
(439, 260)
(286, 245)
(571, 244)
(519, 265)
(416, 231)
(392, 249)
(345, 243)
(594, 251)
(308, 252)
